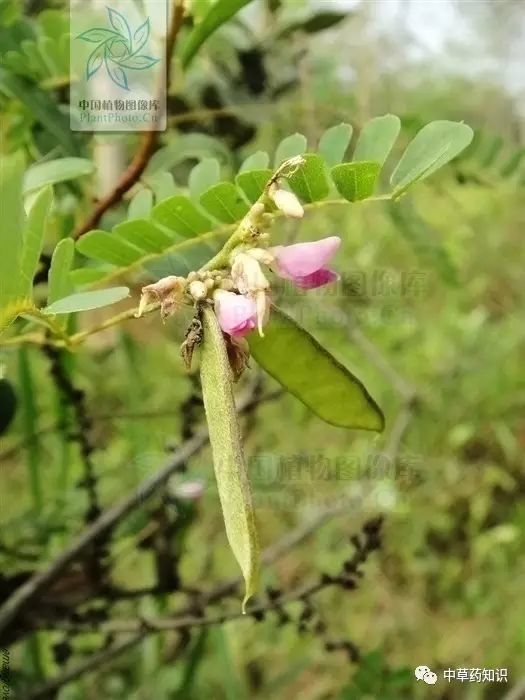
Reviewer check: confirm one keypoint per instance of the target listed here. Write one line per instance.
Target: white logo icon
(423, 673)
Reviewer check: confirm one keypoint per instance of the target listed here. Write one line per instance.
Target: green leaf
(163, 185)
(85, 301)
(179, 214)
(226, 446)
(316, 23)
(253, 182)
(294, 145)
(54, 171)
(185, 147)
(307, 370)
(59, 284)
(224, 202)
(435, 145)
(203, 176)
(257, 161)
(42, 107)
(144, 235)
(141, 205)
(11, 240)
(377, 138)
(88, 275)
(34, 238)
(356, 181)
(309, 181)
(334, 142)
(219, 13)
(105, 246)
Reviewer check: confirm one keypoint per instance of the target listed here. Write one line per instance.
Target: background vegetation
(429, 313)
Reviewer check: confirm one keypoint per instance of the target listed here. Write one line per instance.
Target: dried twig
(40, 581)
(139, 629)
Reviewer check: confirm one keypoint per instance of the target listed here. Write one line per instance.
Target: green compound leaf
(34, 238)
(105, 246)
(11, 240)
(85, 301)
(377, 138)
(58, 280)
(253, 182)
(309, 182)
(356, 181)
(179, 214)
(141, 205)
(203, 176)
(257, 161)
(294, 145)
(308, 371)
(54, 171)
(15, 291)
(224, 202)
(185, 147)
(435, 145)
(144, 235)
(334, 142)
(228, 458)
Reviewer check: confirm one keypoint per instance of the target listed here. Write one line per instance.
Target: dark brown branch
(139, 629)
(147, 147)
(40, 581)
(106, 522)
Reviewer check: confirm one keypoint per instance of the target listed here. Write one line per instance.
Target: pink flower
(304, 263)
(237, 314)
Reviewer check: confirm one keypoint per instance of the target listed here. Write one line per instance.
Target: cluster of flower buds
(242, 295)
(240, 290)
(248, 306)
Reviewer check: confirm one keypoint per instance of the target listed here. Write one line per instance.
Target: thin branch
(185, 621)
(40, 581)
(47, 690)
(149, 141)
(107, 521)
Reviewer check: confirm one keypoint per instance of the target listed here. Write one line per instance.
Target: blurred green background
(429, 314)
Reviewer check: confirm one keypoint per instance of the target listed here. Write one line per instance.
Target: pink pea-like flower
(305, 263)
(237, 314)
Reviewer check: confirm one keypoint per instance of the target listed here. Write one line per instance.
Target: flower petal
(237, 315)
(302, 259)
(317, 279)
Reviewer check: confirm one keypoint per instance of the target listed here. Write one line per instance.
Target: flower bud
(287, 202)
(198, 290)
(247, 275)
(262, 255)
